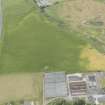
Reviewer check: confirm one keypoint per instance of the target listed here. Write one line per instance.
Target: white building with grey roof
(46, 3)
(97, 99)
(28, 102)
(55, 85)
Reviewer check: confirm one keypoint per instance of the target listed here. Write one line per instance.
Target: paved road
(0, 18)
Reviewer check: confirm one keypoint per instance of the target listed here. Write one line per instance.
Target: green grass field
(31, 43)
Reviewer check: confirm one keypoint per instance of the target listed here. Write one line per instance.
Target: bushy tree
(65, 102)
(60, 102)
(79, 102)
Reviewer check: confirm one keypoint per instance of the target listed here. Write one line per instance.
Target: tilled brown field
(20, 86)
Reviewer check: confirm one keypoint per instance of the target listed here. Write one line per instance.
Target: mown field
(32, 43)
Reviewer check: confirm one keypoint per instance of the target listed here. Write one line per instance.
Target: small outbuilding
(46, 3)
(28, 103)
(98, 99)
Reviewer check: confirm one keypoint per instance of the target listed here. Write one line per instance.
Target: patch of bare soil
(78, 12)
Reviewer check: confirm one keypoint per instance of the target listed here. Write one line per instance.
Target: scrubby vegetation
(65, 102)
(88, 19)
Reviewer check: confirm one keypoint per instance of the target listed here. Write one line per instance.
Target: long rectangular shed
(55, 85)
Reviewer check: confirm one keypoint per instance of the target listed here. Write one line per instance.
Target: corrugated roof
(78, 88)
(55, 84)
(55, 77)
(101, 99)
(75, 78)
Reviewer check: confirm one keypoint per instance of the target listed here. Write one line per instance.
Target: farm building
(76, 85)
(43, 3)
(55, 85)
(78, 88)
(92, 85)
(46, 3)
(98, 99)
(28, 103)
